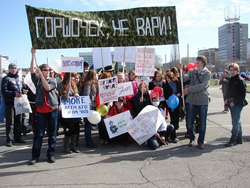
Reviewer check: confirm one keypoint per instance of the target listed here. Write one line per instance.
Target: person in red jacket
(118, 108)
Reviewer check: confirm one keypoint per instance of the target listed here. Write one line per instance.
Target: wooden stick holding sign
(143, 72)
(181, 77)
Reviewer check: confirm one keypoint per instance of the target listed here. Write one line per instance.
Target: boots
(73, 143)
(232, 141)
(239, 139)
(67, 144)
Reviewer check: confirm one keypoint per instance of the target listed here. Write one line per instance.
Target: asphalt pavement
(116, 165)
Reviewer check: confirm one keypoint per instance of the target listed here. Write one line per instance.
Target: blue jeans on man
(43, 120)
(191, 113)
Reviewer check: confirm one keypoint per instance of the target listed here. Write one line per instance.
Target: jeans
(87, 132)
(191, 113)
(43, 120)
(13, 124)
(235, 114)
(2, 108)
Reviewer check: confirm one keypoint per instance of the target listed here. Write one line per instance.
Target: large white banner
(124, 89)
(101, 57)
(146, 124)
(125, 54)
(75, 107)
(145, 62)
(108, 89)
(72, 64)
(117, 125)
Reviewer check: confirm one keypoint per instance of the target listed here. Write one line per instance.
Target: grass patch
(214, 82)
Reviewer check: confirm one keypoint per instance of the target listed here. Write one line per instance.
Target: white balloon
(56, 66)
(94, 117)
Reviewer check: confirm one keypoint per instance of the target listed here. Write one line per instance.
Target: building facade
(233, 39)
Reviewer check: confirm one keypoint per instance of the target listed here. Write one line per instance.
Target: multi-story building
(212, 55)
(233, 39)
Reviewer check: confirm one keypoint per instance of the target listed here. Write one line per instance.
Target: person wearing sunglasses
(47, 110)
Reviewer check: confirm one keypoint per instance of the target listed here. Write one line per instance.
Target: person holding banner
(11, 88)
(47, 110)
(71, 125)
(170, 87)
(141, 99)
(89, 88)
(197, 98)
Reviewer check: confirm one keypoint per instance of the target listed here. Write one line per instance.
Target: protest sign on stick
(75, 107)
(72, 64)
(124, 89)
(145, 124)
(117, 125)
(145, 59)
(108, 89)
(101, 57)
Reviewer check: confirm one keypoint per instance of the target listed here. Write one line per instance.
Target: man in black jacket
(11, 88)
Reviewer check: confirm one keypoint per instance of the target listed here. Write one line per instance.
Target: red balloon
(158, 90)
(98, 99)
(190, 66)
(62, 73)
(195, 65)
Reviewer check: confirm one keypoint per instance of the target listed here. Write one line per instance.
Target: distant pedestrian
(235, 99)
(224, 82)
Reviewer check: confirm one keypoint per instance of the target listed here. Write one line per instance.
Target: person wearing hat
(10, 89)
(197, 98)
(2, 108)
(224, 82)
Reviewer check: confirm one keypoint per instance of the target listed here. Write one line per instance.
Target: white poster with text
(72, 64)
(145, 124)
(75, 107)
(145, 60)
(117, 125)
(108, 89)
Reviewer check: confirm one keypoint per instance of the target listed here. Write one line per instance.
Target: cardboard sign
(145, 124)
(72, 64)
(125, 54)
(101, 57)
(145, 62)
(75, 107)
(108, 89)
(124, 89)
(117, 125)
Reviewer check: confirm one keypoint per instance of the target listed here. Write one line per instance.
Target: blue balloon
(173, 101)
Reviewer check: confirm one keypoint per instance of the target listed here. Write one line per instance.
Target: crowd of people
(46, 113)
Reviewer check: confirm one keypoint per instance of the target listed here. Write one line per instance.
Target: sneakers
(9, 144)
(175, 140)
(51, 159)
(225, 111)
(32, 161)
